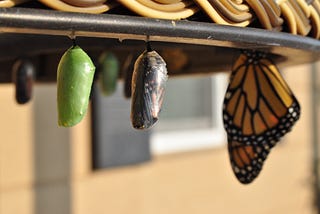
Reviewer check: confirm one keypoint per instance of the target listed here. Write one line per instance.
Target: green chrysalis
(74, 79)
(109, 70)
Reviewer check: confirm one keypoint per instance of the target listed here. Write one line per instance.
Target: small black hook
(149, 49)
(74, 43)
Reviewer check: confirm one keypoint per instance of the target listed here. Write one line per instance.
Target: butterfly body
(259, 108)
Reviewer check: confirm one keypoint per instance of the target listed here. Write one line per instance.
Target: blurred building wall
(45, 169)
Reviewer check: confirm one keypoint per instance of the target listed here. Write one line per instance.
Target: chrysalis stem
(74, 43)
(149, 49)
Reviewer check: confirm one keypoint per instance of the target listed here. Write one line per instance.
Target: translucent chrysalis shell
(148, 87)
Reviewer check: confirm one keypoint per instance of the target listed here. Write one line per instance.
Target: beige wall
(45, 169)
(16, 154)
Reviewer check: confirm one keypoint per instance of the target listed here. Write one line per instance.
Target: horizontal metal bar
(49, 22)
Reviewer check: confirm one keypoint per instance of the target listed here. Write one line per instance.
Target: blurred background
(181, 165)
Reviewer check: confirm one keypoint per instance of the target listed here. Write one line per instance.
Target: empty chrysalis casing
(148, 87)
(74, 79)
(23, 72)
(109, 71)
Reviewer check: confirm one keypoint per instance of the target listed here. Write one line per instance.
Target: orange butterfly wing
(259, 108)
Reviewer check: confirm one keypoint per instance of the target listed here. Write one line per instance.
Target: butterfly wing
(246, 160)
(259, 108)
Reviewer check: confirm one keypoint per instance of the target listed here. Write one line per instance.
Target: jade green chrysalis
(109, 71)
(74, 79)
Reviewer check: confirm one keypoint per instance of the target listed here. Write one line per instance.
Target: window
(114, 141)
(191, 116)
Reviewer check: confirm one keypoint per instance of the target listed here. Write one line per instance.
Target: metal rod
(49, 22)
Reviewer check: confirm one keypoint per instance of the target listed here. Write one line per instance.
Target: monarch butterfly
(148, 86)
(74, 79)
(258, 109)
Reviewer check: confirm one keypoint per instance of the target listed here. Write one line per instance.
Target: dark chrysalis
(109, 71)
(23, 76)
(148, 87)
(127, 71)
